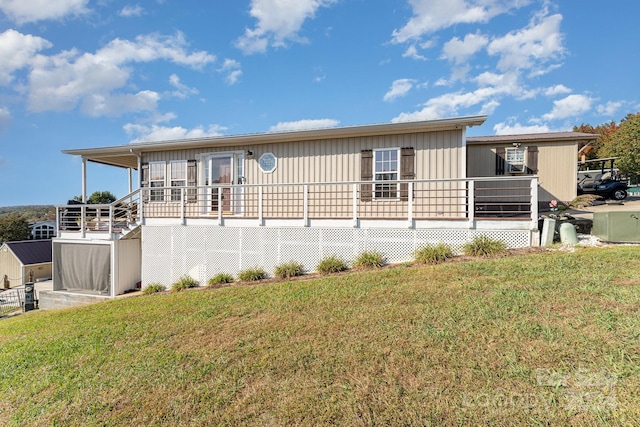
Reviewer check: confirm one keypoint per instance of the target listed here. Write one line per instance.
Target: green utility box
(619, 226)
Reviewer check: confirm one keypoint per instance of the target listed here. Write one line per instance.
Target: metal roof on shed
(31, 252)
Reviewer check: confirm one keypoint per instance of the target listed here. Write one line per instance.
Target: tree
(98, 198)
(14, 228)
(626, 146)
(602, 145)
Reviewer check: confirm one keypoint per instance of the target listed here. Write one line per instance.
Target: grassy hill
(544, 338)
(30, 212)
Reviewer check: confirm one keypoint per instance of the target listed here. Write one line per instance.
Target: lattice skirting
(169, 252)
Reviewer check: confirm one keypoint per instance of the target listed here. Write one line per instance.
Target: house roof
(533, 137)
(127, 155)
(31, 252)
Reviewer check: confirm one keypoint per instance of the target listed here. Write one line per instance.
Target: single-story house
(24, 262)
(226, 203)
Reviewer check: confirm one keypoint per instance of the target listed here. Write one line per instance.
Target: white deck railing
(503, 198)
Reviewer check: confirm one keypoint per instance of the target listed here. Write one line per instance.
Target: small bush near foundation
(430, 254)
(484, 246)
(289, 269)
(220, 279)
(252, 274)
(153, 288)
(185, 282)
(369, 259)
(331, 264)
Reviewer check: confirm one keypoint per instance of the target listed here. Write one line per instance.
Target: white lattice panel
(169, 252)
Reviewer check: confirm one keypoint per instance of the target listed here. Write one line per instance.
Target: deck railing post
(83, 220)
(110, 218)
(410, 205)
(305, 208)
(471, 204)
(354, 189)
(534, 203)
(57, 221)
(260, 214)
(219, 205)
(182, 206)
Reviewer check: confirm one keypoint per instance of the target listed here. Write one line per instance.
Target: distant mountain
(30, 212)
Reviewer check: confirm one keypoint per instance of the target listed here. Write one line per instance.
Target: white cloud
(130, 10)
(517, 129)
(459, 51)
(63, 81)
(231, 68)
(304, 124)
(5, 117)
(433, 15)
(529, 47)
(182, 91)
(610, 108)
(557, 90)
(17, 51)
(279, 21)
(117, 104)
(22, 11)
(571, 106)
(398, 89)
(146, 133)
(412, 52)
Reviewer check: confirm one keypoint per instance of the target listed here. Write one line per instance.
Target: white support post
(471, 205)
(182, 206)
(260, 218)
(534, 203)
(355, 205)
(57, 221)
(84, 180)
(410, 205)
(305, 197)
(219, 205)
(110, 218)
(83, 217)
(130, 180)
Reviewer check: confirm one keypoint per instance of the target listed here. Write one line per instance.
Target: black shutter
(192, 181)
(144, 180)
(407, 170)
(366, 174)
(532, 160)
(500, 163)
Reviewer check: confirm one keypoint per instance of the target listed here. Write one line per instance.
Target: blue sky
(83, 73)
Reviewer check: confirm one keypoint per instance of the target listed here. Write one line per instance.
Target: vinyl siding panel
(10, 266)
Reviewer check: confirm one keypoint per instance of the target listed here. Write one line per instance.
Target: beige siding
(557, 167)
(438, 155)
(40, 271)
(10, 266)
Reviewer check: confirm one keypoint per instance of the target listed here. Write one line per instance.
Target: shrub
(185, 282)
(289, 269)
(153, 288)
(331, 264)
(369, 259)
(484, 246)
(219, 279)
(433, 254)
(252, 274)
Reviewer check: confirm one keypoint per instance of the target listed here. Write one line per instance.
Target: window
(268, 162)
(178, 178)
(156, 179)
(515, 160)
(385, 163)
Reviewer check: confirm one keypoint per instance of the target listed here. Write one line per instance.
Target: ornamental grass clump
(431, 254)
(369, 259)
(183, 283)
(220, 279)
(483, 246)
(153, 288)
(288, 270)
(252, 274)
(331, 264)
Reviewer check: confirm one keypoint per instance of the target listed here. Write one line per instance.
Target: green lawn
(537, 339)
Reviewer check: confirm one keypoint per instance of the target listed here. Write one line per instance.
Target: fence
(11, 300)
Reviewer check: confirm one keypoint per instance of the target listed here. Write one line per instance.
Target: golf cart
(601, 179)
